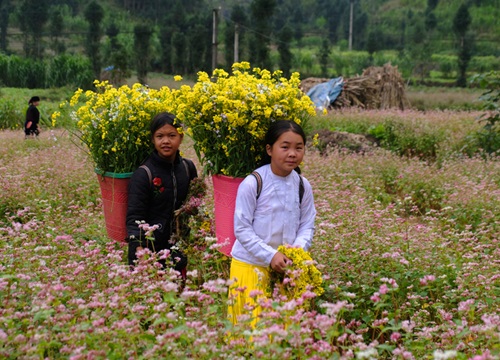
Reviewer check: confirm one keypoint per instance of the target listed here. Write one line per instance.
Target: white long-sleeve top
(276, 218)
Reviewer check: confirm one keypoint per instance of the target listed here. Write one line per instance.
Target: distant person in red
(31, 128)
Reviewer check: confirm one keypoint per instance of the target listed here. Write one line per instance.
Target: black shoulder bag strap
(259, 185)
(150, 176)
(259, 182)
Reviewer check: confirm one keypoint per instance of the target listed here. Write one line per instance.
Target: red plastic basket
(114, 192)
(225, 190)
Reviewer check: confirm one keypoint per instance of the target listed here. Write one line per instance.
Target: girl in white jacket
(273, 207)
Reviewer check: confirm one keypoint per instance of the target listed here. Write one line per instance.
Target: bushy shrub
(39, 74)
(447, 64)
(10, 115)
(487, 139)
(66, 70)
(350, 63)
(405, 141)
(410, 134)
(411, 193)
(4, 66)
(24, 73)
(482, 64)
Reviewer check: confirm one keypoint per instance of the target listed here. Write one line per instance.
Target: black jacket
(154, 204)
(33, 115)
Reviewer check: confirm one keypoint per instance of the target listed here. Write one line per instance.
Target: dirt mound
(376, 88)
(344, 140)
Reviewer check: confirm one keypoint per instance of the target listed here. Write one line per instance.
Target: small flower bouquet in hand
(228, 115)
(113, 123)
(300, 277)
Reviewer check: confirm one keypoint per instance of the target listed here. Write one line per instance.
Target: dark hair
(277, 129)
(33, 99)
(161, 120)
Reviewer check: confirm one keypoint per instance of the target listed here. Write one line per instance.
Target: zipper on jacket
(174, 183)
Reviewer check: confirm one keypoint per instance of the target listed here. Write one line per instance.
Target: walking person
(31, 128)
(273, 207)
(157, 189)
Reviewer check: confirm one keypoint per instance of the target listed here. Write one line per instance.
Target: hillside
(389, 18)
(312, 37)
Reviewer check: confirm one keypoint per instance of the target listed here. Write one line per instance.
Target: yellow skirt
(248, 278)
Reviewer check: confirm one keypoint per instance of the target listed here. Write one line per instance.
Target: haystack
(376, 88)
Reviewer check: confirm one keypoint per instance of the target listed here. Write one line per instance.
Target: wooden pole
(236, 43)
(214, 40)
(351, 16)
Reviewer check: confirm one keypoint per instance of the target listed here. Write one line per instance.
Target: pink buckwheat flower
(426, 279)
(375, 297)
(383, 289)
(395, 336)
(465, 305)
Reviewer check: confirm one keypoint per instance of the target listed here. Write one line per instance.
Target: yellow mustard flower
(228, 115)
(114, 122)
(303, 274)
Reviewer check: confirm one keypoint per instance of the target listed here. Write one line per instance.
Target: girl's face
(286, 153)
(167, 141)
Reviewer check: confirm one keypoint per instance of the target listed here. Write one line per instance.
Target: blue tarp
(325, 93)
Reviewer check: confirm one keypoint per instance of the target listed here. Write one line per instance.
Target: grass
(443, 98)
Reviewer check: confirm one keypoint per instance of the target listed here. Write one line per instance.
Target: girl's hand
(280, 262)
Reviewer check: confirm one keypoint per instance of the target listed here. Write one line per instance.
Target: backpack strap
(301, 189)
(259, 185)
(186, 166)
(259, 182)
(150, 176)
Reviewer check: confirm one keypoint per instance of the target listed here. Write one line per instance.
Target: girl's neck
(280, 174)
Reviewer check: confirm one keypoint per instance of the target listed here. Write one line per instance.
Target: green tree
(430, 20)
(285, 54)
(199, 38)
(94, 14)
(33, 16)
(337, 13)
(432, 4)
(239, 20)
(419, 45)
(5, 8)
(372, 44)
(262, 12)
(56, 27)
(461, 24)
(165, 34)
(118, 56)
(324, 57)
(172, 22)
(142, 46)
(179, 52)
(360, 21)
(488, 138)
(298, 27)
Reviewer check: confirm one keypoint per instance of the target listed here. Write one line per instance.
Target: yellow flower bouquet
(113, 123)
(228, 116)
(301, 276)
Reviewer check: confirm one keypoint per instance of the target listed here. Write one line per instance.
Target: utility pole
(236, 43)
(214, 39)
(351, 16)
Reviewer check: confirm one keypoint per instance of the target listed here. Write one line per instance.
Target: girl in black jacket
(32, 118)
(156, 190)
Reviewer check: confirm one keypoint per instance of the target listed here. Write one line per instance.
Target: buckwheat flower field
(408, 249)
